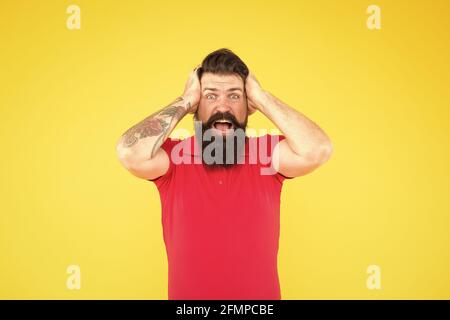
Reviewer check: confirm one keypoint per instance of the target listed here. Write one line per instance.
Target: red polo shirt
(221, 226)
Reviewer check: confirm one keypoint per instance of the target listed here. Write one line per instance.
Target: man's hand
(254, 93)
(192, 91)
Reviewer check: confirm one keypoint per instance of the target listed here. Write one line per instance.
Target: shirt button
(220, 181)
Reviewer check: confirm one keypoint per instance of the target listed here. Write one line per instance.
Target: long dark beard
(232, 145)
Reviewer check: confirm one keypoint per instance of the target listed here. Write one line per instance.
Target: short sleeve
(272, 142)
(167, 146)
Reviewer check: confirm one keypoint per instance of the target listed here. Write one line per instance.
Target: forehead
(221, 81)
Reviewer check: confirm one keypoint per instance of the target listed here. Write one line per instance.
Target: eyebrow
(230, 89)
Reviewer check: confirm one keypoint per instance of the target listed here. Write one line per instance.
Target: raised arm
(138, 149)
(306, 146)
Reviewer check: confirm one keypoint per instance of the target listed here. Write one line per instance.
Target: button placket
(221, 177)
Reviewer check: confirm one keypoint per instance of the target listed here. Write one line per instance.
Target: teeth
(223, 121)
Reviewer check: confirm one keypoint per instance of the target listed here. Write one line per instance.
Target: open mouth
(223, 125)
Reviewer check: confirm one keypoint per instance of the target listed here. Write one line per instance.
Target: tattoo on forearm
(157, 124)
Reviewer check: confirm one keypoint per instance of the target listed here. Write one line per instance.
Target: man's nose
(222, 107)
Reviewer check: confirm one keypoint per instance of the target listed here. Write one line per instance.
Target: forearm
(142, 141)
(304, 137)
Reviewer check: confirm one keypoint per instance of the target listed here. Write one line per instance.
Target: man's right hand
(192, 91)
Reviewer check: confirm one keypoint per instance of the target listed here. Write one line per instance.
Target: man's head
(222, 76)
(223, 102)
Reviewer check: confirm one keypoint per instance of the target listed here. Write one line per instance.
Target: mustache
(223, 116)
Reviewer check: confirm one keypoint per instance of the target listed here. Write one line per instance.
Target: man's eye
(209, 96)
(234, 96)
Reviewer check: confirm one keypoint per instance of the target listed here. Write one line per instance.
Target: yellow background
(382, 96)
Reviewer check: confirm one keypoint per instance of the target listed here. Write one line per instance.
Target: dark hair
(223, 61)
